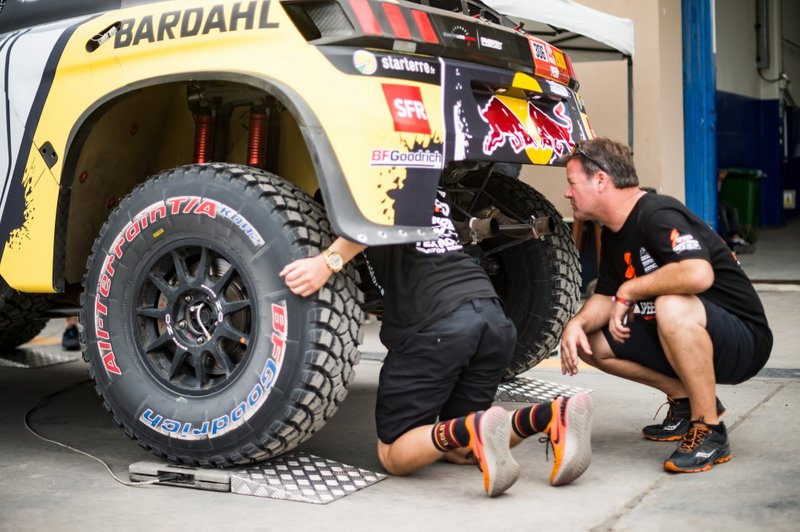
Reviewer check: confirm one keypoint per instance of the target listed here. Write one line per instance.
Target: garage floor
(44, 486)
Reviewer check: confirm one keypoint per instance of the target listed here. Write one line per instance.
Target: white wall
(736, 49)
(658, 99)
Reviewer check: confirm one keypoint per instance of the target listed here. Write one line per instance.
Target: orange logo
(673, 237)
(630, 273)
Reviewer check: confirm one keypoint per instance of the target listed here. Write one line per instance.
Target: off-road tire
(20, 315)
(240, 400)
(538, 279)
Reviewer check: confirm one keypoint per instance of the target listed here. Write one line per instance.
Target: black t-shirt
(661, 230)
(426, 281)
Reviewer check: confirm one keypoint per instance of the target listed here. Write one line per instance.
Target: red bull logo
(553, 134)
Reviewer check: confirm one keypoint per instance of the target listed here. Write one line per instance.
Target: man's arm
(305, 276)
(690, 276)
(590, 318)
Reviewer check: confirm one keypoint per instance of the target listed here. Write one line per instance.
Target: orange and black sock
(531, 419)
(452, 434)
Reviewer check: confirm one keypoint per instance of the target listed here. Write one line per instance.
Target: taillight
(569, 68)
(344, 18)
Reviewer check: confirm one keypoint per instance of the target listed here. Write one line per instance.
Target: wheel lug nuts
(187, 298)
(181, 325)
(200, 340)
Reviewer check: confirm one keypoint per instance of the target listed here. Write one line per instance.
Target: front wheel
(196, 345)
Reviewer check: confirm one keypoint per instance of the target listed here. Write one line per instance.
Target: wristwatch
(334, 260)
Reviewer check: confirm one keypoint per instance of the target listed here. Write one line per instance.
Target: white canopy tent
(584, 33)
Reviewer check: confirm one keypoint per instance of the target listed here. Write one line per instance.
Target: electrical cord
(45, 399)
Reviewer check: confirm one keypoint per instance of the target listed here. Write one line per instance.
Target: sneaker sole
(665, 438)
(578, 445)
(672, 468)
(500, 470)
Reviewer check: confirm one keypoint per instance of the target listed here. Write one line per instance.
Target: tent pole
(630, 102)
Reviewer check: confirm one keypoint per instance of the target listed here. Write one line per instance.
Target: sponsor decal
(548, 61)
(2, 5)
(408, 159)
(494, 44)
(647, 261)
(546, 132)
(408, 110)
(460, 33)
(559, 89)
(192, 205)
(647, 309)
(245, 409)
(542, 51)
(681, 243)
(443, 226)
(365, 62)
(406, 64)
(194, 21)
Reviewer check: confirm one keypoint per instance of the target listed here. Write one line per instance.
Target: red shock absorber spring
(257, 146)
(204, 137)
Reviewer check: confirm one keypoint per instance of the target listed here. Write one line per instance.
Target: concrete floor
(46, 487)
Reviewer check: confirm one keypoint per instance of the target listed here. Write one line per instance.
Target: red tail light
(365, 16)
(397, 21)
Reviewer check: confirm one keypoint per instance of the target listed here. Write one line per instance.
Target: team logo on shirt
(630, 271)
(647, 261)
(681, 243)
(447, 240)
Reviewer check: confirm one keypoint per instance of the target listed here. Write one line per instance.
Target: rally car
(161, 161)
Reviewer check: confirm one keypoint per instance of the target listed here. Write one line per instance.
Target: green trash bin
(740, 189)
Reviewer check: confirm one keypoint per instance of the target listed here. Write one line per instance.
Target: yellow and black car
(163, 160)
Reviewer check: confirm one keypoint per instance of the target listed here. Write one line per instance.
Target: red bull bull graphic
(536, 131)
(520, 118)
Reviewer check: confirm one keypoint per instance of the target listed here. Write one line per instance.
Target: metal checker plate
(302, 477)
(524, 390)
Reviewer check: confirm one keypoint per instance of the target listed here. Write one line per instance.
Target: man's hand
(573, 338)
(621, 316)
(305, 276)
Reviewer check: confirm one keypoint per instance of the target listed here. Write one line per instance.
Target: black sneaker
(700, 449)
(677, 421)
(70, 340)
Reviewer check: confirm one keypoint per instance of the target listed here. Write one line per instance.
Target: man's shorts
(738, 356)
(447, 370)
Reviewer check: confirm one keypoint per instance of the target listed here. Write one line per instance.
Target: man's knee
(386, 458)
(678, 313)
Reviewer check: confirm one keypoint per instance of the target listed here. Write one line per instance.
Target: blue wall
(748, 136)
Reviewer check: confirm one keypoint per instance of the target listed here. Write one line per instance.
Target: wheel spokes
(161, 284)
(181, 270)
(158, 342)
(152, 312)
(222, 359)
(229, 307)
(228, 331)
(195, 318)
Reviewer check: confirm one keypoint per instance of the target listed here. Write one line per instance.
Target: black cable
(45, 399)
